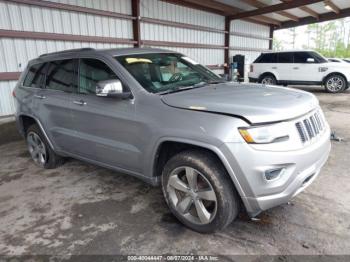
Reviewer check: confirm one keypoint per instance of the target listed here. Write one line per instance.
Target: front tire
(199, 192)
(40, 150)
(335, 83)
(268, 80)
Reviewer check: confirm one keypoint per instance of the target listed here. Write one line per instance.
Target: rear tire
(40, 150)
(335, 83)
(199, 191)
(268, 79)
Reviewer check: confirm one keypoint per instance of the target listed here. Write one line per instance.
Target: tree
(332, 39)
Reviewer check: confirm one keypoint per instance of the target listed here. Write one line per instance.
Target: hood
(344, 65)
(253, 102)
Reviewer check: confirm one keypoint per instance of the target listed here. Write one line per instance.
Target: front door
(105, 127)
(305, 68)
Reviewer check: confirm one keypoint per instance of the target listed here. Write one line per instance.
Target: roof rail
(68, 51)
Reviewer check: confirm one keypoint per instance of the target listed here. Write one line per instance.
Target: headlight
(265, 134)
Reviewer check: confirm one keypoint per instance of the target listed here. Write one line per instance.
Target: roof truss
(262, 11)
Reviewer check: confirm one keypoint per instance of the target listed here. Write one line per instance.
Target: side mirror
(111, 88)
(310, 60)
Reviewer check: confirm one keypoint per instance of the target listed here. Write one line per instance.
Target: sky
(303, 37)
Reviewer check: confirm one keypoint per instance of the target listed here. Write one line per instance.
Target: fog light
(273, 174)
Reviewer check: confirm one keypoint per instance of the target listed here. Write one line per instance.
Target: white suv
(300, 68)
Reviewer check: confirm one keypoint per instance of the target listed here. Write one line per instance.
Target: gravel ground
(83, 209)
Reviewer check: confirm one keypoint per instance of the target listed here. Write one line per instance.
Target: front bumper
(301, 168)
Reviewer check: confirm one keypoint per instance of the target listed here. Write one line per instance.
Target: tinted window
(285, 57)
(61, 75)
(35, 76)
(91, 71)
(268, 58)
(302, 57)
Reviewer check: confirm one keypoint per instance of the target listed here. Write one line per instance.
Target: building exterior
(29, 28)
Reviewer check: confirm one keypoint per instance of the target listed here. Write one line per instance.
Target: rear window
(267, 58)
(35, 76)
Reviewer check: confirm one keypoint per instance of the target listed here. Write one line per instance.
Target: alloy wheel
(335, 84)
(192, 195)
(36, 148)
(267, 81)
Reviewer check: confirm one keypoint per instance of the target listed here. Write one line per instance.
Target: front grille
(310, 127)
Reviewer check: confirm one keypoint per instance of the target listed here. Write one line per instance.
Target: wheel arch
(335, 73)
(177, 145)
(25, 121)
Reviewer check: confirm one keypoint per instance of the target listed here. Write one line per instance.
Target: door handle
(274, 67)
(80, 103)
(39, 96)
(295, 68)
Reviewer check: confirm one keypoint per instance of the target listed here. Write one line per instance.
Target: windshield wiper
(182, 88)
(215, 81)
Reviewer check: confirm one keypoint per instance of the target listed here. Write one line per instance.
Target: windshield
(319, 57)
(162, 72)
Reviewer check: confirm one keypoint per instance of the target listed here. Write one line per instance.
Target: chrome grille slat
(301, 131)
(312, 120)
(318, 122)
(319, 117)
(310, 127)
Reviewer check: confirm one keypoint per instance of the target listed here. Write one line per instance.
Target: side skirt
(153, 181)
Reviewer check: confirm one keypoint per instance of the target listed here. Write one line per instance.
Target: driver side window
(92, 71)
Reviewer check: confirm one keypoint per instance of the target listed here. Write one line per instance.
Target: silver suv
(212, 145)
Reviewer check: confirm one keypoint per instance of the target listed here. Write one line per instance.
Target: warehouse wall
(15, 53)
(204, 44)
(248, 46)
(175, 13)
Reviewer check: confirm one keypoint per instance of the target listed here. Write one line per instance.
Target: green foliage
(277, 44)
(331, 39)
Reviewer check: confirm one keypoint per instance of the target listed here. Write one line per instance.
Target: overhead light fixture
(328, 7)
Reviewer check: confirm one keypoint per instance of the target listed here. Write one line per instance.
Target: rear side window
(267, 58)
(62, 75)
(92, 71)
(35, 76)
(285, 57)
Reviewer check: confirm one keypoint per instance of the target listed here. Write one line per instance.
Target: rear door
(285, 66)
(265, 63)
(105, 127)
(53, 110)
(31, 86)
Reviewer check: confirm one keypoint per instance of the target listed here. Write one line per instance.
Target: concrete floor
(83, 209)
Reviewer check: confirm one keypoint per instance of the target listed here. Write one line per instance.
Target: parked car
(162, 117)
(300, 68)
